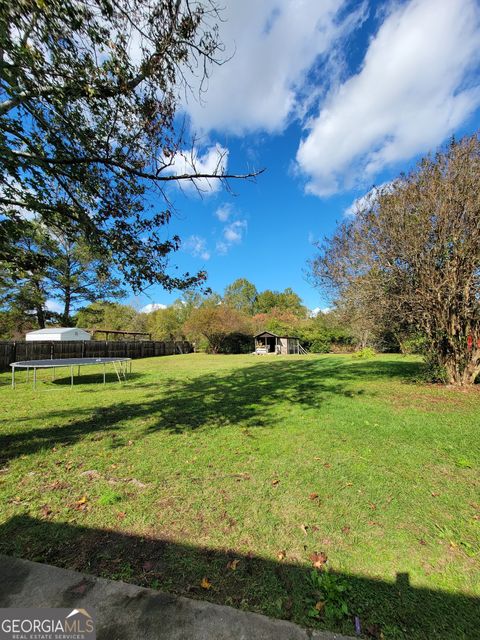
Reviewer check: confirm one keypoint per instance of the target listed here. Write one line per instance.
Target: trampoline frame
(122, 367)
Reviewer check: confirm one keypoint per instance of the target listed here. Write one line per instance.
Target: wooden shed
(267, 342)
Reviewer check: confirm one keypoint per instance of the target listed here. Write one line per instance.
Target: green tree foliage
(75, 275)
(107, 315)
(24, 291)
(215, 322)
(14, 324)
(89, 92)
(325, 333)
(241, 295)
(167, 324)
(65, 271)
(286, 300)
(411, 259)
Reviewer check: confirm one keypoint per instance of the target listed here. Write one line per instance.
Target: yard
(228, 477)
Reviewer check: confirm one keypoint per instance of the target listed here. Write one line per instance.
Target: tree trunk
(461, 373)
(40, 316)
(66, 310)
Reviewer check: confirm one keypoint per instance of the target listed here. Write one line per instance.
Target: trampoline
(120, 366)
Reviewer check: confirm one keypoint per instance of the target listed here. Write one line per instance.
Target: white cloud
(270, 48)
(224, 212)
(197, 247)
(153, 306)
(53, 306)
(314, 312)
(411, 92)
(232, 234)
(213, 161)
(363, 201)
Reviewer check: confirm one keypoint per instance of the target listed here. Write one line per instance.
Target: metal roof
(274, 335)
(54, 330)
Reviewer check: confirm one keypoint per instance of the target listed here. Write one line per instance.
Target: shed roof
(263, 334)
(51, 330)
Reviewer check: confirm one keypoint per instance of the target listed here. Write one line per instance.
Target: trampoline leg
(71, 376)
(116, 371)
(53, 374)
(28, 374)
(34, 377)
(78, 372)
(13, 377)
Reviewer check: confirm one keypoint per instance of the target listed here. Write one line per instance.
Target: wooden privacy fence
(17, 351)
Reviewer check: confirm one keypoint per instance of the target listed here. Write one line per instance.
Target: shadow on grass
(278, 589)
(248, 395)
(97, 379)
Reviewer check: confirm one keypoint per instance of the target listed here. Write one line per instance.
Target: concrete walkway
(126, 612)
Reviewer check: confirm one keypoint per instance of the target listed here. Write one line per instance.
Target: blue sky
(331, 98)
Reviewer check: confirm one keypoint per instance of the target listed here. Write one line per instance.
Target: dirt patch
(451, 399)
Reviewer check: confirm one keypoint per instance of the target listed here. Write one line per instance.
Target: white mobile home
(57, 334)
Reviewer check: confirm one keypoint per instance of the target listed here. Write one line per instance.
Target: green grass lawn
(218, 477)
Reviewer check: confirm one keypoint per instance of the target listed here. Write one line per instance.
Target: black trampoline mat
(65, 362)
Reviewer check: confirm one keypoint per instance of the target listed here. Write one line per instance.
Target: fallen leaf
(46, 511)
(346, 530)
(81, 587)
(313, 496)
(121, 515)
(137, 483)
(320, 605)
(275, 482)
(91, 473)
(233, 564)
(327, 465)
(422, 541)
(205, 584)
(318, 559)
(435, 495)
(57, 485)
(374, 631)
(281, 555)
(372, 506)
(241, 476)
(80, 505)
(304, 528)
